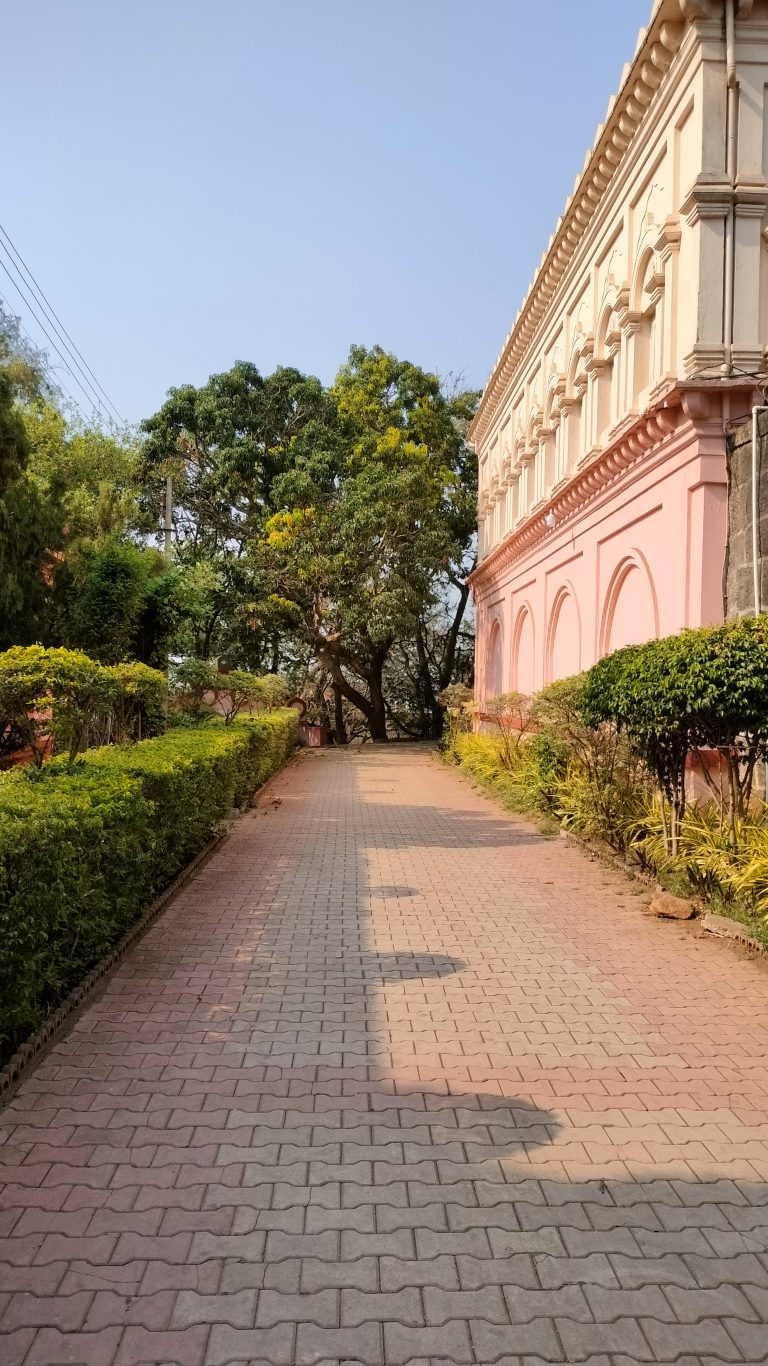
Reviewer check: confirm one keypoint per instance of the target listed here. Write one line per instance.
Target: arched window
(605, 367)
(644, 338)
(573, 407)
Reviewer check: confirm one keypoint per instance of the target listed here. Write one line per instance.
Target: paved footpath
(396, 1079)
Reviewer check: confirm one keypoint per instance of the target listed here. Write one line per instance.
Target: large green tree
(224, 444)
(25, 523)
(372, 518)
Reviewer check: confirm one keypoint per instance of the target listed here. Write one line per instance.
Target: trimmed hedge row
(84, 848)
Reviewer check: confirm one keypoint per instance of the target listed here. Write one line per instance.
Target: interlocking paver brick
(439, 1271)
(451, 1340)
(400, 1306)
(16, 1345)
(52, 1347)
(237, 1309)
(63, 1311)
(395, 1079)
(360, 1274)
(274, 1308)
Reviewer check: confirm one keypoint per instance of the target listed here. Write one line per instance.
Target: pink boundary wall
(638, 549)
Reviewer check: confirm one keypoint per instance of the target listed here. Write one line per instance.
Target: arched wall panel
(564, 637)
(630, 614)
(494, 669)
(524, 653)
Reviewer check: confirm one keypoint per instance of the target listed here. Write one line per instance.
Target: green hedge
(84, 848)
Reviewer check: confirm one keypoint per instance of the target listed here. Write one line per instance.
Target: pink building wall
(637, 551)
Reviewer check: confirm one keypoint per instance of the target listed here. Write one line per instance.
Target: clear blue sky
(199, 181)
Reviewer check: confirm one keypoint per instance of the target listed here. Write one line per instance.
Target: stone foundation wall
(738, 587)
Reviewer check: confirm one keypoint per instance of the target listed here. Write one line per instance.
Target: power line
(51, 378)
(90, 387)
(95, 406)
(54, 319)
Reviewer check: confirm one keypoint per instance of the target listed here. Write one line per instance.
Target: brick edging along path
(396, 1078)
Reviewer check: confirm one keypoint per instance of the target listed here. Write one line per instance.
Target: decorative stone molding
(626, 111)
(589, 480)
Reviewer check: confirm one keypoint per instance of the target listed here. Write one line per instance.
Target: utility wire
(95, 405)
(51, 377)
(54, 319)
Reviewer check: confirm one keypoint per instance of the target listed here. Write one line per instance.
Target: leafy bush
(65, 696)
(84, 847)
(74, 873)
(237, 690)
(140, 708)
(197, 685)
(191, 680)
(511, 716)
(24, 696)
(458, 702)
(117, 600)
(602, 788)
(706, 688)
(610, 750)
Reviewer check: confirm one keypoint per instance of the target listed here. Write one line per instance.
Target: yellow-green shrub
(84, 847)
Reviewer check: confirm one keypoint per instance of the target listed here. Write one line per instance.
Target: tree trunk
(428, 691)
(338, 715)
(372, 707)
(449, 653)
(377, 717)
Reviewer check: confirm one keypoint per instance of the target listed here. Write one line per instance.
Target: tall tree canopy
(325, 531)
(224, 445)
(374, 515)
(25, 523)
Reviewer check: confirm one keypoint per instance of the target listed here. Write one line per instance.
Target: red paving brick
(396, 1079)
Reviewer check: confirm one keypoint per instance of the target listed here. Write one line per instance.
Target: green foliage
(608, 757)
(197, 687)
(83, 849)
(374, 511)
(23, 524)
(511, 716)
(59, 693)
(140, 707)
(521, 785)
(74, 858)
(119, 601)
(82, 694)
(224, 444)
(193, 685)
(604, 786)
(88, 476)
(703, 688)
(458, 703)
(24, 695)
(66, 696)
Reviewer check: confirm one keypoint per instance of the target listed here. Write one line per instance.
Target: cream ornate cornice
(682, 403)
(587, 483)
(656, 49)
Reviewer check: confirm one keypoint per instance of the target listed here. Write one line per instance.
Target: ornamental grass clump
(612, 755)
(511, 717)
